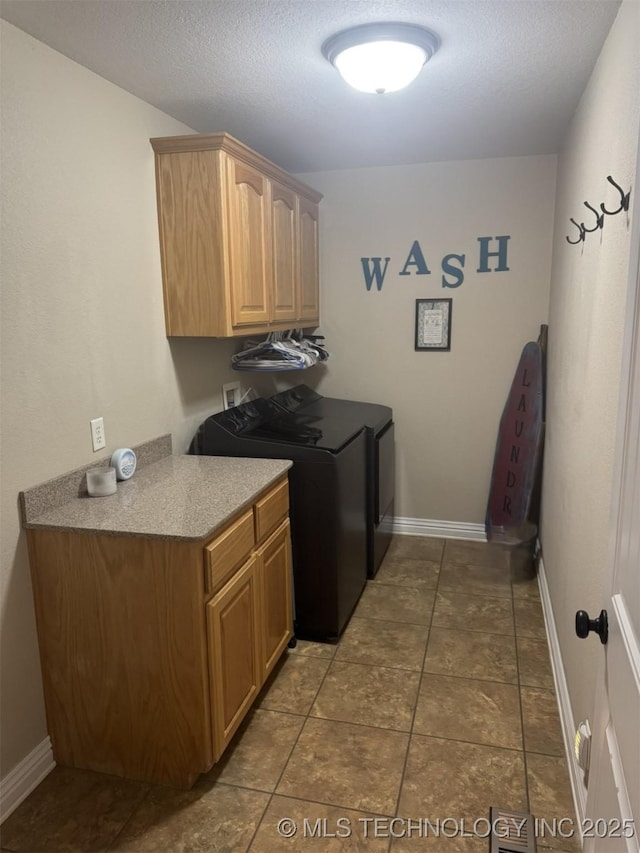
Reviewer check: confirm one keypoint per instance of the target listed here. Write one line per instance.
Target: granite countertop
(175, 497)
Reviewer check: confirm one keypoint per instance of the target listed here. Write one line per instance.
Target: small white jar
(101, 482)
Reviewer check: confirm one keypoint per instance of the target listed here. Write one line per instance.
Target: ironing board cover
(519, 447)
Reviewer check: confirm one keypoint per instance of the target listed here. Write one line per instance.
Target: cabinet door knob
(600, 626)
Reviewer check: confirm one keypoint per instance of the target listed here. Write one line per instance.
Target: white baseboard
(576, 775)
(20, 782)
(442, 529)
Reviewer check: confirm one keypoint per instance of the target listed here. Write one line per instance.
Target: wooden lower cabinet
(249, 623)
(123, 651)
(274, 567)
(234, 653)
(152, 651)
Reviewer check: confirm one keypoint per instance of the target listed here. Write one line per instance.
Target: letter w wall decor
(373, 271)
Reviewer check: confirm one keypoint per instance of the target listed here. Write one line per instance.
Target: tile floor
(437, 703)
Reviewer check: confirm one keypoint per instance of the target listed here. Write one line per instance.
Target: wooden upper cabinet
(249, 244)
(192, 246)
(238, 239)
(309, 309)
(284, 248)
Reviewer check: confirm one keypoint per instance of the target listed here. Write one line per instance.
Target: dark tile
(404, 571)
(355, 767)
(526, 588)
(373, 695)
(311, 649)
(396, 604)
(214, 819)
(445, 778)
(550, 800)
(383, 643)
(416, 548)
(544, 848)
(72, 810)
(466, 709)
(465, 552)
(293, 685)
(542, 731)
(315, 828)
(470, 579)
(529, 618)
(454, 836)
(534, 663)
(488, 657)
(473, 613)
(256, 756)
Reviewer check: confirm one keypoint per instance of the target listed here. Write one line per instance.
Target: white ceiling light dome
(381, 58)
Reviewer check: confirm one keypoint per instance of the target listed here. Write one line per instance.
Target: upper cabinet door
(192, 247)
(309, 308)
(284, 244)
(238, 239)
(249, 244)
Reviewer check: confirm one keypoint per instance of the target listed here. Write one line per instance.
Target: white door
(612, 822)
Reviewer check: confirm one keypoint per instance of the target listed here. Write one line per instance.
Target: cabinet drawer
(271, 509)
(228, 550)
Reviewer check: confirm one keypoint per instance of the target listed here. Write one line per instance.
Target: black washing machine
(377, 421)
(328, 488)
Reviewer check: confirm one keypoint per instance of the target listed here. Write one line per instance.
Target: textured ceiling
(505, 81)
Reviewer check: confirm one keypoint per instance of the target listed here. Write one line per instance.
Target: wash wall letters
(492, 257)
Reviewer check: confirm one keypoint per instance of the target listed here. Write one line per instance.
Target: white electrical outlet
(98, 438)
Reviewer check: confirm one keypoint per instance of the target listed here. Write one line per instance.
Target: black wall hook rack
(624, 199)
(581, 233)
(599, 220)
(599, 223)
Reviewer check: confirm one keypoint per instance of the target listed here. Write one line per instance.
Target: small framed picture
(231, 394)
(433, 324)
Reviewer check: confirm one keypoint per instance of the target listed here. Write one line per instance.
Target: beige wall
(82, 322)
(586, 319)
(447, 406)
(79, 236)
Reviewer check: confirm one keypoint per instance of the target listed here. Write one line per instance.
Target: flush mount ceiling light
(381, 58)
